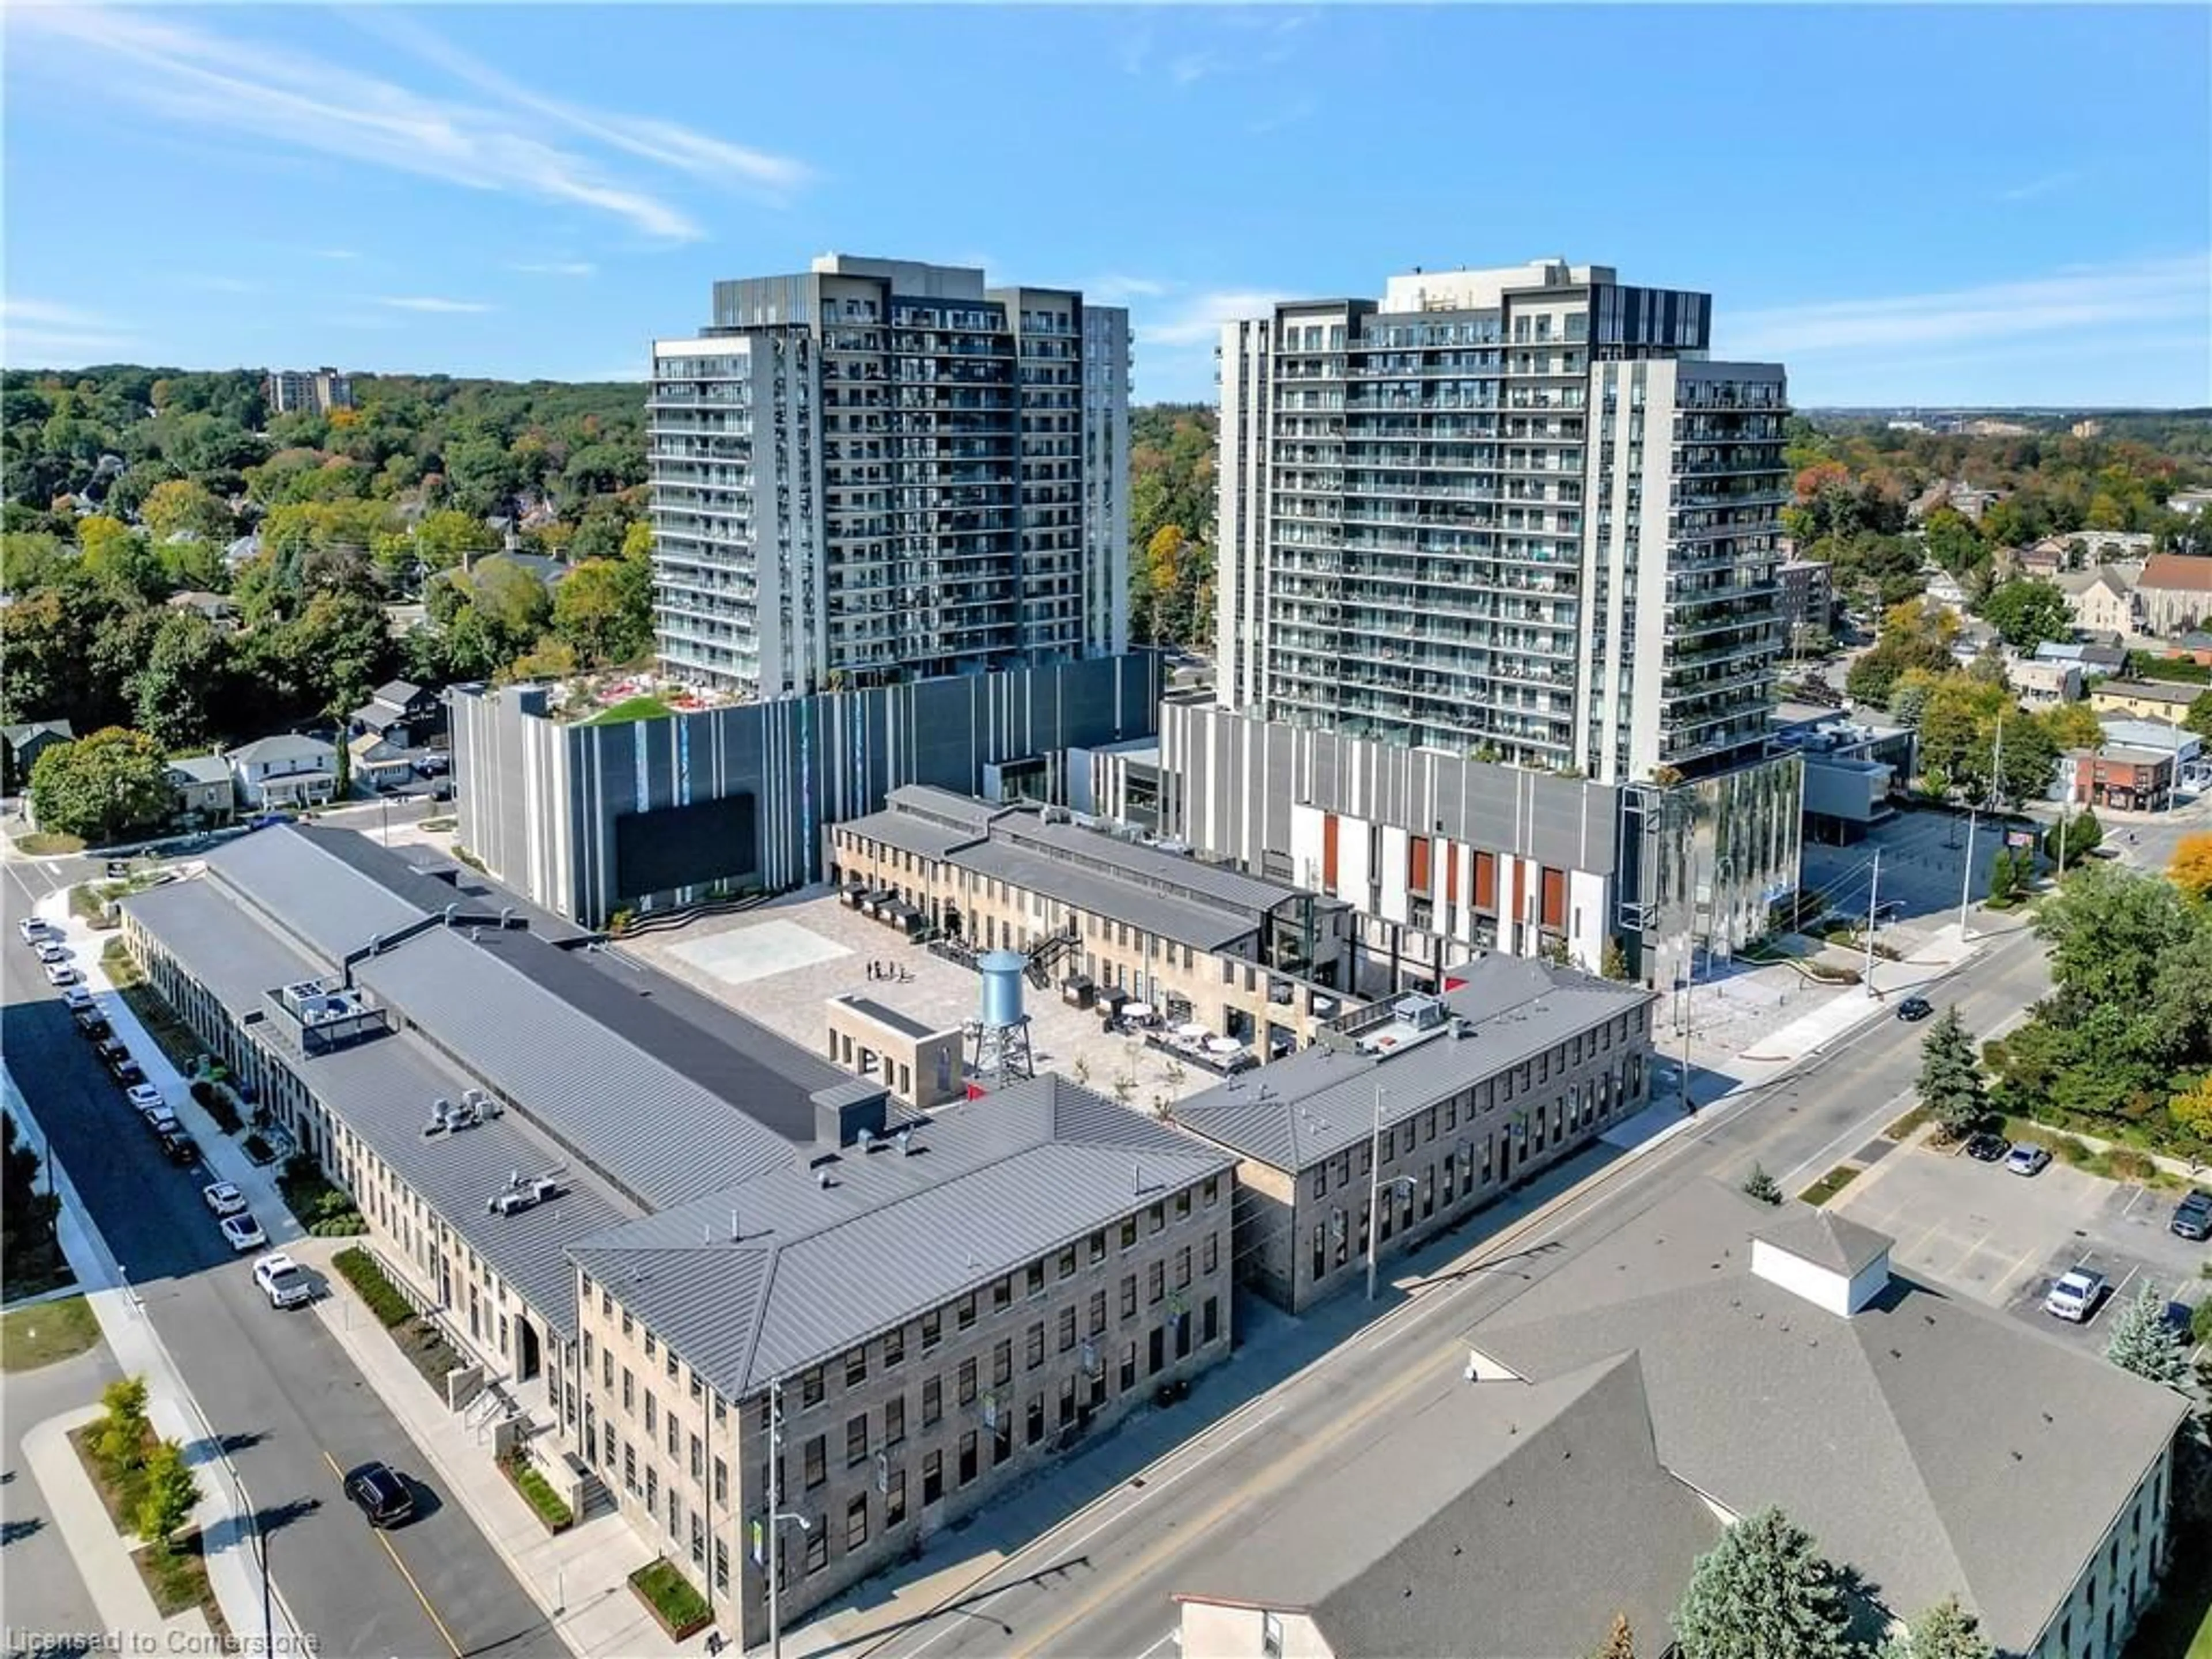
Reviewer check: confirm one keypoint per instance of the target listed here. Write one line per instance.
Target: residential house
(218, 608)
(2095, 657)
(2175, 593)
(376, 763)
(2189, 501)
(401, 713)
(2151, 700)
(2043, 684)
(2046, 558)
(206, 792)
(288, 770)
(1973, 638)
(245, 548)
(1784, 1363)
(2102, 600)
(21, 745)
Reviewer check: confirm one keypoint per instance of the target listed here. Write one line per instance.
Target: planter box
(677, 1633)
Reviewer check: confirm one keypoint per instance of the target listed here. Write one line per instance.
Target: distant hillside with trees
(1171, 475)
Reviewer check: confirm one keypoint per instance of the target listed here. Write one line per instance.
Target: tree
(445, 538)
(26, 1215)
(603, 609)
(1613, 962)
(2191, 1110)
(2198, 719)
(1945, 1631)
(1620, 1641)
(180, 505)
(2071, 726)
(1764, 1592)
(2191, 869)
(171, 691)
(2027, 612)
(1762, 1186)
(2066, 841)
(118, 1438)
(171, 1492)
(2006, 879)
(115, 553)
(2142, 1342)
(100, 786)
(1950, 1085)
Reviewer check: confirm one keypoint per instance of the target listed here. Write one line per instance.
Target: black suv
(2192, 1216)
(180, 1149)
(1915, 1008)
(379, 1492)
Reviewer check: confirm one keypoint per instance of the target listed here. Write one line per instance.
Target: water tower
(1001, 1034)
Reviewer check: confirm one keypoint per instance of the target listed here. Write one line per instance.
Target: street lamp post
(776, 1517)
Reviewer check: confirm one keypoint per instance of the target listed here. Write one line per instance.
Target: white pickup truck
(281, 1281)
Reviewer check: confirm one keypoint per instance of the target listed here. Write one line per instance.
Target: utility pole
(1873, 890)
(1966, 876)
(1374, 1191)
(775, 1520)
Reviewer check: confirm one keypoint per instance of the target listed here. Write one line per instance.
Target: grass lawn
(647, 708)
(680, 1608)
(51, 1331)
(41, 845)
(1829, 1184)
(1905, 1125)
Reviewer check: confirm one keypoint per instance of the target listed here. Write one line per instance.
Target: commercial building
(1258, 961)
(652, 1226)
(1515, 513)
(2132, 780)
(306, 391)
(1784, 1363)
(876, 470)
(588, 820)
(1460, 1097)
(2175, 593)
(1444, 854)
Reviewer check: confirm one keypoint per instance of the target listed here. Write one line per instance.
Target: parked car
(2074, 1295)
(1915, 1008)
(2027, 1159)
(76, 999)
(180, 1149)
(60, 973)
(282, 1281)
(145, 1097)
(34, 928)
(162, 1122)
(1988, 1149)
(244, 1232)
(2192, 1216)
(91, 1022)
(50, 950)
(223, 1199)
(379, 1493)
(117, 869)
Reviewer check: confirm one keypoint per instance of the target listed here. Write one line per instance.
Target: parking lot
(1923, 863)
(2001, 1238)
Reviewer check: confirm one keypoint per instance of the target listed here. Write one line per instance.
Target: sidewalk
(225, 1512)
(224, 1159)
(578, 1577)
(126, 1608)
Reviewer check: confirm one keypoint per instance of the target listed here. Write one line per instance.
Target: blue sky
(1974, 205)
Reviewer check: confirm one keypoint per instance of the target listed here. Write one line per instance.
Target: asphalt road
(1100, 1582)
(275, 1386)
(45, 1592)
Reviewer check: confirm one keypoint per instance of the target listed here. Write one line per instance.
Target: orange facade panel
(1485, 881)
(1555, 898)
(1329, 851)
(1417, 864)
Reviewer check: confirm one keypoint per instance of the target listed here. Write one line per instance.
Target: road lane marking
(377, 1533)
(1173, 1638)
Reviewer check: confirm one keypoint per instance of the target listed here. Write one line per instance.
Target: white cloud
(2091, 295)
(1198, 320)
(1114, 291)
(39, 332)
(292, 98)
(431, 303)
(557, 268)
(1190, 67)
(2043, 186)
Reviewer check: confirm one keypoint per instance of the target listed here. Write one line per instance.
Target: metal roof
(1204, 927)
(813, 1269)
(644, 1125)
(382, 1089)
(284, 745)
(290, 876)
(1489, 1522)
(202, 768)
(1879, 1433)
(1314, 1105)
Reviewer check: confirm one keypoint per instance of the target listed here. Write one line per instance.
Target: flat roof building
(734, 1227)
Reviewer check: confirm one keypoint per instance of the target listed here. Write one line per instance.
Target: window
(1097, 1247)
(1156, 1281)
(811, 1389)
(817, 1460)
(1035, 1279)
(1156, 1217)
(1271, 1636)
(650, 1417)
(721, 1484)
(856, 1522)
(1066, 1329)
(1066, 1401)
(1129, 1366)
(932, 1477)
(1129, 1297)
(818, 1545)
(630, 1392)
(1213, 1189)
(932, 1329)
(968, 1379)
(895, 1498)
(1129, 1234)
(722, 1565)
(968, 1458)
(894, 1419)
(1098, 1312)
(1182, 1268)
(1067, 1262)
(856, 1439)
(1002, 1362)
(933, 1401)
(1035, 1346)
(1002, 1293)
(856, 1368)
(1210, 1321)
(1210, 1259)
(1183, 1205)
(967, 1311)
(894, 1347)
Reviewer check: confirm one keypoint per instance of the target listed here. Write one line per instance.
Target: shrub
(679, 1607)
(1762, 1186)
(2067, 1150)
(323, 1210)
(363, 1273)
(538, 1491)
(2126, 1163)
